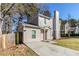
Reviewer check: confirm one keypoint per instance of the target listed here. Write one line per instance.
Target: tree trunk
(69, 34)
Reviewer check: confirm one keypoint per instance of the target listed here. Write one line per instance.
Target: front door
(45, 35)
(44, 32)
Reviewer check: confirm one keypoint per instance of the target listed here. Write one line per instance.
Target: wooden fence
(0, 41)
(7, 40)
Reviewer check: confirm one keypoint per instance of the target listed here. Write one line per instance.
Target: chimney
(56, 25)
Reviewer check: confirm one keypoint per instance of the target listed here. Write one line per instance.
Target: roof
(31, 26)
(43, 16)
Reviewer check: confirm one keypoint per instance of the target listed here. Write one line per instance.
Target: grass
(19, 50)
(72, 43)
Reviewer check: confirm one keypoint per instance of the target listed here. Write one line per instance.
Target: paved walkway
(48, 49)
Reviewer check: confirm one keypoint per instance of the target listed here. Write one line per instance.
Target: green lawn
(72, 43)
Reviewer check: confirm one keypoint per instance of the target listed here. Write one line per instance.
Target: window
(44, 21)
(33, 34)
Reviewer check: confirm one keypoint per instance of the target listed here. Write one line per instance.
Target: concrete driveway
(48, 49)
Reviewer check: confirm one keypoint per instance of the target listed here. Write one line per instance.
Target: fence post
(4, 41)
(17, 37)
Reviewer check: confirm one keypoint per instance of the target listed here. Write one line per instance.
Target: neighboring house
(73, 30)
(77, 29)
(67, 28)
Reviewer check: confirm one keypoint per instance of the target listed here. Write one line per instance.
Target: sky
(65, 9)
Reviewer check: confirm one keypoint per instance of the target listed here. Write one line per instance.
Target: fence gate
(18, 37)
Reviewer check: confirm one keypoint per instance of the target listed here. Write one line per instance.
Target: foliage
(72, 22)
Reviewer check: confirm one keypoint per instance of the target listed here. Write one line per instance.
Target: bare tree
(6, 18)
(44, 9)
(27, 9)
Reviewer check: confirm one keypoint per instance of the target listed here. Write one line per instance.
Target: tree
(62, 27)
(27, 9)
(47, 13)
(43, 9)
(12, 9)
(69, 17)
(73, 22)
(6, 18)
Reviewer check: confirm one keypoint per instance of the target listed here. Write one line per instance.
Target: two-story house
(77, 29)
(42, 28)
(72, 30)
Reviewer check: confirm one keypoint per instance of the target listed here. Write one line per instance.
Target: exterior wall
(68, 28)
(39, 35)
(49, 25)
(77, 30)
(28, 35)
(41, 21)
(49, 35)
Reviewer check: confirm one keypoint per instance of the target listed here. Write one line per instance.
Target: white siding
(28, 35)
(77, 30)
(41, 22)
(49, 25)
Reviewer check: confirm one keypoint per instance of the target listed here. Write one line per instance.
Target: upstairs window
(44, 21)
